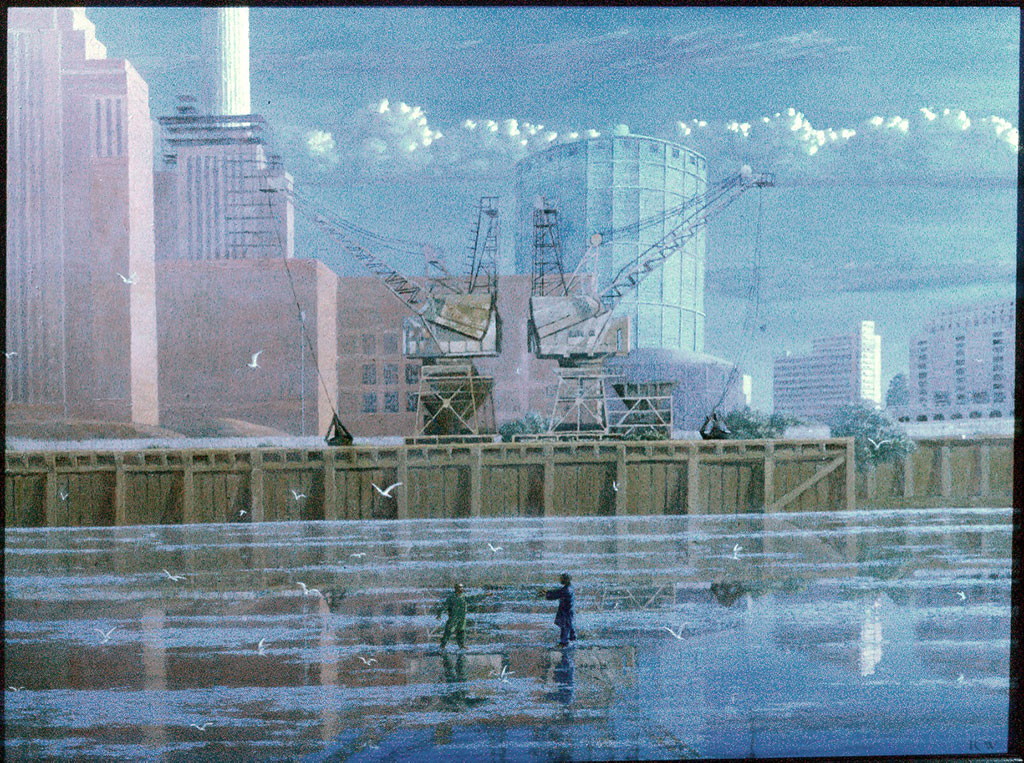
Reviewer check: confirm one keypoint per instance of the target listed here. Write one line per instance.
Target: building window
(391, 402)
(369, 374)
(369, 344)
(412, 374)
(390, 375)
(369, 402)
(410, 402)
(389, 344)
(675, 153)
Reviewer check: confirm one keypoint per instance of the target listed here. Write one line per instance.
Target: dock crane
(579, 329)
(445, 331)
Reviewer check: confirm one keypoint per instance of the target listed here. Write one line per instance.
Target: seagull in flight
(201, 728)
(63, 495)
(962, 595)
(495, 549)
(736, 551)
(679, 635)
(129, 279)
(260, 648)
(386, 493)
(106, 636)
(358, 554)
(175, 578)
(615, 486)
(11, 354)
(254, 363)
(298, 496)
(309, 591)
(242, 512)
(960, 678)
(367, 661)
(15, 688)
(877, 445)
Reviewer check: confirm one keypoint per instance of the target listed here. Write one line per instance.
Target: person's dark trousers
(567, 633)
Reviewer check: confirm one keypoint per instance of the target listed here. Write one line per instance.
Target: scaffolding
(548, 271)
(482, 265)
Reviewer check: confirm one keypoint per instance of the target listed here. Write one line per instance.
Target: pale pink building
(79, 225)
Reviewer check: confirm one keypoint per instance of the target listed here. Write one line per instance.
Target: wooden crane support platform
(642, 407)
(454, 400)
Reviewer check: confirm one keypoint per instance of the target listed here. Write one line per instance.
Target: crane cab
(453, 326)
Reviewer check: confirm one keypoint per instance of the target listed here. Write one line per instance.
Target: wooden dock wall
(943, 471)
(528, 479)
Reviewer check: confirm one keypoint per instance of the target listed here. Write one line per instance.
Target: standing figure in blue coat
(564, 618)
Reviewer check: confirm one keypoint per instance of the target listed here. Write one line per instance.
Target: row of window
(390, 402)
(390, 375)
(366, 344)
(993, 414)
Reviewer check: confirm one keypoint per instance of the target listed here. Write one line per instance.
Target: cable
(298, 305)
(753, 299)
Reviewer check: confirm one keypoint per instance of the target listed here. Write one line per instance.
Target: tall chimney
(226, 38)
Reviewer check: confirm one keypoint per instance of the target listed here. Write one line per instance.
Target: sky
(892, 133)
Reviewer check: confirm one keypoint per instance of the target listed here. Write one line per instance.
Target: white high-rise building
(226, 55)
(840, 370)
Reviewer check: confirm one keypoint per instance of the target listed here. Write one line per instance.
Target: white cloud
(321, 146)
(930, 143)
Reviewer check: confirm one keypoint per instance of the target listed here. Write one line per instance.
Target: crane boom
(708, 204)
(410, 294)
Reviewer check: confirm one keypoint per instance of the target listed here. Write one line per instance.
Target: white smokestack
(226, 33)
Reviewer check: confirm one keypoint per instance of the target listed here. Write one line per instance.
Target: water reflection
(776, 649)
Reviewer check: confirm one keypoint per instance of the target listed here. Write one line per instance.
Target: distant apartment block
(840, 370)
(962, 365)
(81, 314)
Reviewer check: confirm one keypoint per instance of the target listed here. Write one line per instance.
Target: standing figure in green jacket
(455, 606)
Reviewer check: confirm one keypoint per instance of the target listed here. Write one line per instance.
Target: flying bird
(736, 551)
(495, 549)
(201, 728)
(63, 495)
(877, 445)
(386, 493)
(15, 688)
(358, 554)
(129, 279)
(106, 636)
(175, 578)
(504, 674)
(677, 635)
(259, 646)
(298, 496)
(962, 595)
(10, 355)
(366, 661)
(309, 591)
(615, 486)
(960, 678)
(242, 512)
(254, 363)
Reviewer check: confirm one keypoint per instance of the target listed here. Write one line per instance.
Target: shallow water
(827, 633)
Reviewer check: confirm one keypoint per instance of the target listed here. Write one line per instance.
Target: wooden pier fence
(519, 479)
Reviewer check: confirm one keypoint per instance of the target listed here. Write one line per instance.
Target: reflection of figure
(566, 614)
(454, 673)
(455, 605)
(714, 428)
(564, 676)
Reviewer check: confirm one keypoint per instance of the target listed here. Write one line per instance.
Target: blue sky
(892, 133)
